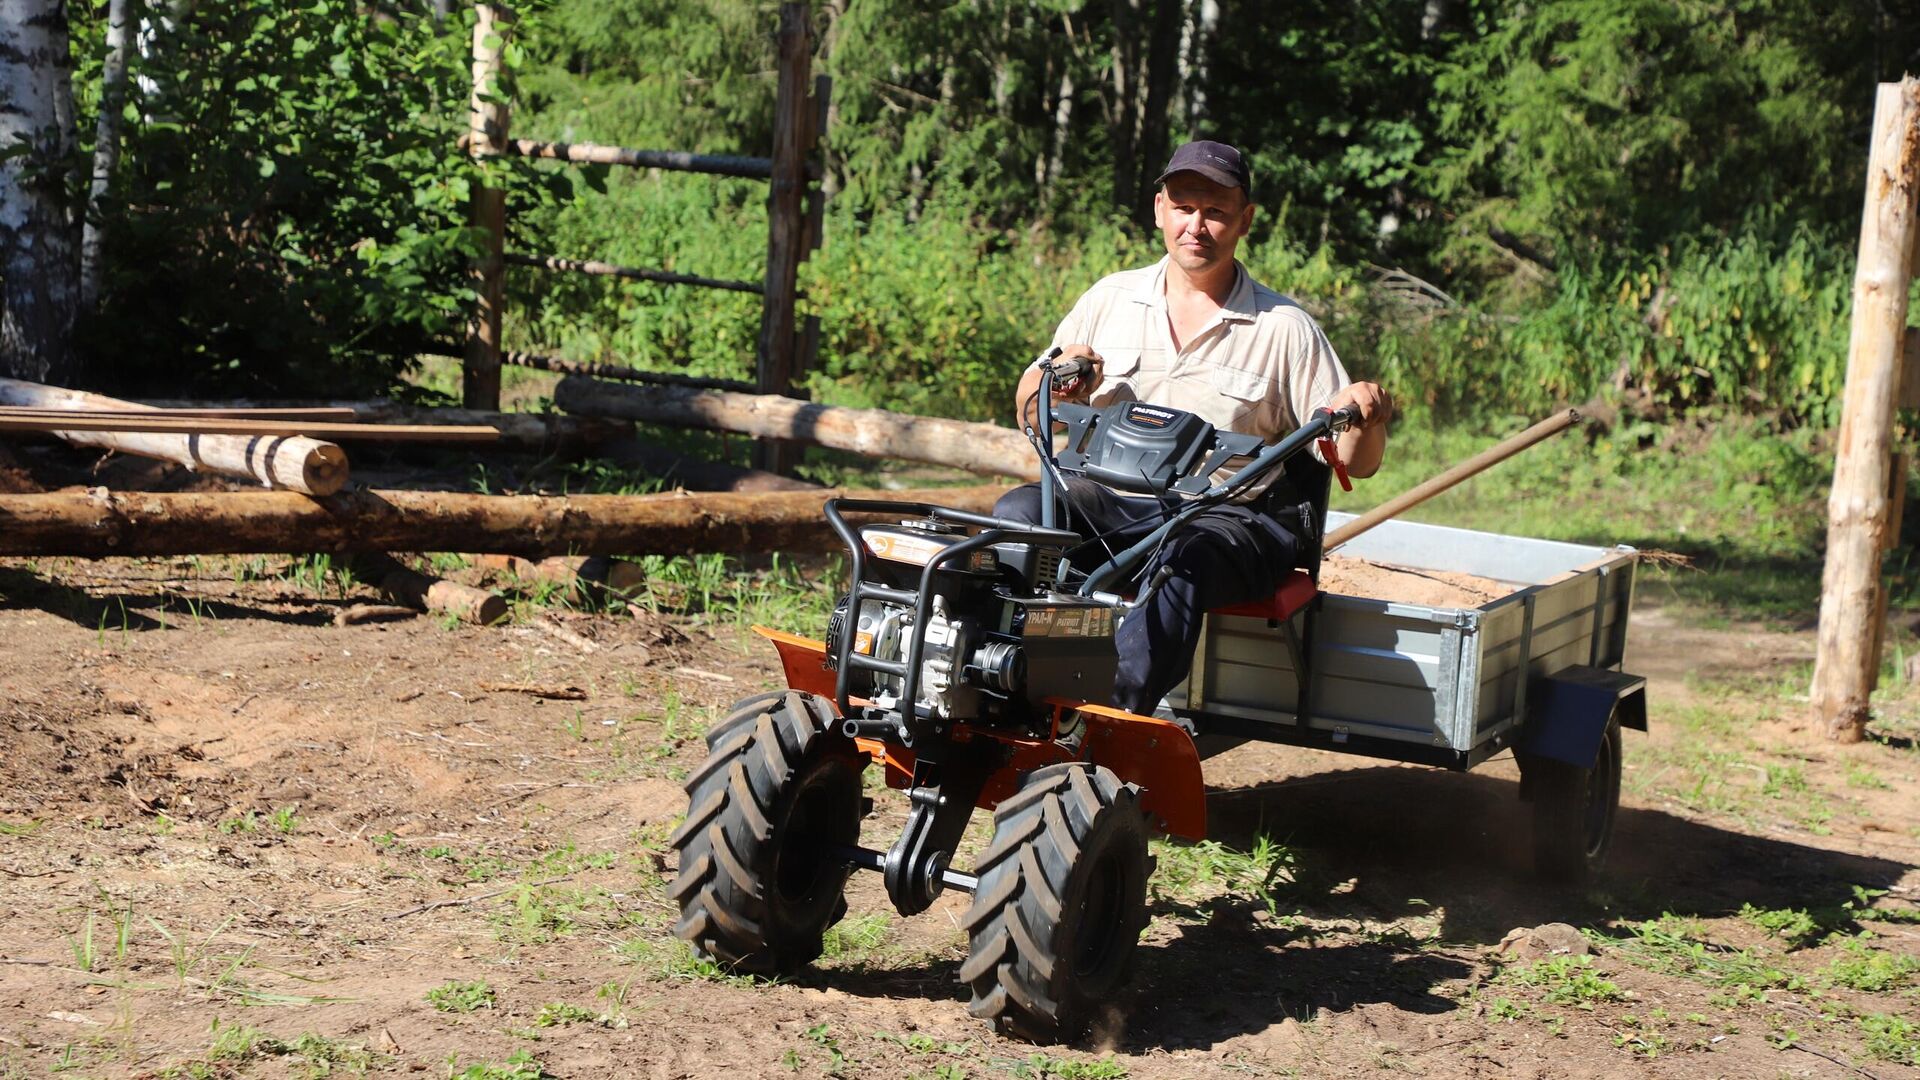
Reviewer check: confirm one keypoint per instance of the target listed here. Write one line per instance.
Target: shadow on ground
(1377, 845)
(118, 613)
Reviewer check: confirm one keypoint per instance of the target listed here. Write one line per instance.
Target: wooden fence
(787, 345)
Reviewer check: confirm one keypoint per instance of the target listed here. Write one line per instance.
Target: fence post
(1858, 510)
(775, 366)
(487, 136)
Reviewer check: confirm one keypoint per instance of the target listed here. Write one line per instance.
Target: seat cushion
(1295, 593)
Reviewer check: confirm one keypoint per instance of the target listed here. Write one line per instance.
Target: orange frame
(1153, 753)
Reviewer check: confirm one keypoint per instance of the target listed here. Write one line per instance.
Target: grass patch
(1191, 878)
(853, 940)
(1869, 970)
(1891, 1038)
(1671, 945)
(1566, 980)
(520, 1065)
(1048, 1067)
(674, 960)
(462, 997)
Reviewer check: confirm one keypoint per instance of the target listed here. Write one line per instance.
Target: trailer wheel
(1574, 811)
(780, 790)
(1061, 902)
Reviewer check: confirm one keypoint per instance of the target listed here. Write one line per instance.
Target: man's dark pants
(1232, 554)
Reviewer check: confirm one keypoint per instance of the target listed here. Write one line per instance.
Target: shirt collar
(1239, 304)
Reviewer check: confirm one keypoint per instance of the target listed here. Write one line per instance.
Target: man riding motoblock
(1195, 332)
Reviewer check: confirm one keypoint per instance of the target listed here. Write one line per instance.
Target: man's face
(1201, 221)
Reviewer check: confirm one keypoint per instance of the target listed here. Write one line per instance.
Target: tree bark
(488, 117)
(1193, 71)
(106, 153)
(1857, 511)
(293, 463)
(1124, 115)
(39, 266)
(99, 524)
(980, 448)
(1162, 70)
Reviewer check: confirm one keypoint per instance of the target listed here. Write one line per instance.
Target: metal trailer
(1536, 670)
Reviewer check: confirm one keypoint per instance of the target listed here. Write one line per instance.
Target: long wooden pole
(1533, 436)
(213, 425)
(487, 131)
(293, 463)
(980, 448)
(1857, 511)
(786, 225)
(97, 524)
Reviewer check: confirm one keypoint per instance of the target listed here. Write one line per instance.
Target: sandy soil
(236, 840)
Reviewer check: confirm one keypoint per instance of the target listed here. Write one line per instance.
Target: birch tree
(39, 258)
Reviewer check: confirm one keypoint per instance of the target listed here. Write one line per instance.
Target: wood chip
(558, 693)
(710, 676)
(567, 636)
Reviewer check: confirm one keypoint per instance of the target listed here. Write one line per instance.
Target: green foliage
(1580, 121)
(290, 208)
(520, 1065)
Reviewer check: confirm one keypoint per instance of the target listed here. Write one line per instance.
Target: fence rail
(664, 277)
(786, 342)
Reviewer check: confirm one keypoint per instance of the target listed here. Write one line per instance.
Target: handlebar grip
(1066, 371)
(1340, 419)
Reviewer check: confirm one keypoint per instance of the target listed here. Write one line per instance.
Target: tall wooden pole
(1858, 510)
(786, 224)
(487, 125)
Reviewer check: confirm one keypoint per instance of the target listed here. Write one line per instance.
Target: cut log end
(325, 471)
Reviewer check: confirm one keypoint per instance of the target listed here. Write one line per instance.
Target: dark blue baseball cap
(1216, 161)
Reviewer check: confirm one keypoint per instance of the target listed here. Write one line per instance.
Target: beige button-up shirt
(1259, 367)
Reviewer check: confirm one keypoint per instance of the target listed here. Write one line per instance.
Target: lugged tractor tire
(758, 884)
(1574, 811)
(1061, 903)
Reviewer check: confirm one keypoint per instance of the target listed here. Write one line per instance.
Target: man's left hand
(1371, 400)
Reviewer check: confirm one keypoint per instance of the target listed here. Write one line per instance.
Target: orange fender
(1155, 754)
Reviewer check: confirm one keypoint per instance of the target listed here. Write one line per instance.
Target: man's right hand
(1084, 378)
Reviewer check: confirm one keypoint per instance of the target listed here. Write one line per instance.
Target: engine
(1000, 637)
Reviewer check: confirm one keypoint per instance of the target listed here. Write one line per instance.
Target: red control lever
(1331, 451)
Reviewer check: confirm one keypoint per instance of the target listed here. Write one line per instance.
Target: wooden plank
(341, 414)
(136, 422)
(1858, 510)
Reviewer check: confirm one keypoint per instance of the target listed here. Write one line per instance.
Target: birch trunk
(39, 266)
(106, 152)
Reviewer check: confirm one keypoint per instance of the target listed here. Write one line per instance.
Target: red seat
(1295, 593)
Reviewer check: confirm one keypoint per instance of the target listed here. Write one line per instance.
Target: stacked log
(980, 448)
(99, 523)
(284, 462)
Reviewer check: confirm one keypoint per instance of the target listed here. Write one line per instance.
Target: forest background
(1494, 206)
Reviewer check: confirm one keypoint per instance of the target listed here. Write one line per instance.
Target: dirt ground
(237, 840)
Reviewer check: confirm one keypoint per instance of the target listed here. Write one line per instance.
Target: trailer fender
(1568, 713)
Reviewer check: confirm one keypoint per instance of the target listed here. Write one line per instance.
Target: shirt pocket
(1245, 392)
